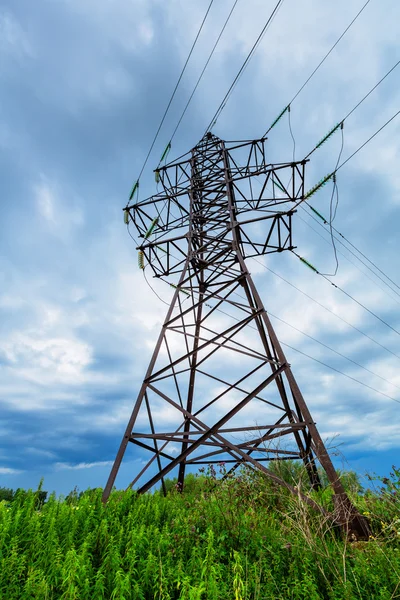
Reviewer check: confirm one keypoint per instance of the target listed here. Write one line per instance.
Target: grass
(239, 539)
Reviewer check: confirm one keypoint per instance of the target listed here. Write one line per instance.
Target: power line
(346, 257)
(204, 69)
(175, 89)
(244, 65)
(366, 258)
(326, 222)
(152, 289)
(368, 140)
(291, 133)
(327, 309)
(332, 213)
(323, 181)
(320, 63)
(328, 53)
(341, 373)
(357, 105)
(371, 90)
(352, 253)
(333, 350)
(346, 293)
(307, 335)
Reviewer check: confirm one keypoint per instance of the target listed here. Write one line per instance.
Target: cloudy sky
(83, 87)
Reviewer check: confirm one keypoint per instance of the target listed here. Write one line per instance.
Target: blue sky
(84, 85)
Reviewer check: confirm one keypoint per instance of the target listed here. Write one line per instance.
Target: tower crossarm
(194, 199)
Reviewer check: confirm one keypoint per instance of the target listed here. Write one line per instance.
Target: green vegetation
(242, 538)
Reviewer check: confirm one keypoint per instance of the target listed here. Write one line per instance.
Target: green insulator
(164, 154)
(279, 186)
(318, 214)
(328, 135)
(279, 117)
(126, 217)
(157, 175)
(309, 265)
(182, 290)
(319, 185)
(134, 189)
(151, 228)
(141, 259)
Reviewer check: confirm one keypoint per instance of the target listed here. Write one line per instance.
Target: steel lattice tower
(218, 362)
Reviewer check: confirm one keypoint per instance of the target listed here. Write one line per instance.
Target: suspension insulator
(141, 259)
(318, 214)
(278, 185)
(309, 265)
(328, 135)
(279, 117)
(182, 290)
(164, 154)
(318, 186)
(151, 228)
(134, 189)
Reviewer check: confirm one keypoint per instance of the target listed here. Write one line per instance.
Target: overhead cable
(244, 65)
(328, 177)
(175, 89)
(385, 291)
(352, 110)
(341, 373)
(346, 293)
(333, 350)
(327, 309)
(204, 69)
(317, 67)
(351, 252)
(368, 140)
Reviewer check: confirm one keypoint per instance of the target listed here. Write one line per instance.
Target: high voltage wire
(333, 350)
(366, 257)
(175, 89)
(323, 181)
(217, 114)
(332, 228)
(353, 254)
(346, 293)
(368, 140)
(318, 66)
(341, 373)
(244, 65)
(371, 90)
(203, 71)
(327, 309)
(347, 258)
(328, 53)
(325, 364)
(357, 105)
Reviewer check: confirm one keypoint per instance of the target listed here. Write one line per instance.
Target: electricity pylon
(219, 387)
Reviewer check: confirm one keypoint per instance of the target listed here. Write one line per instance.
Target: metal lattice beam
(218, 365)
